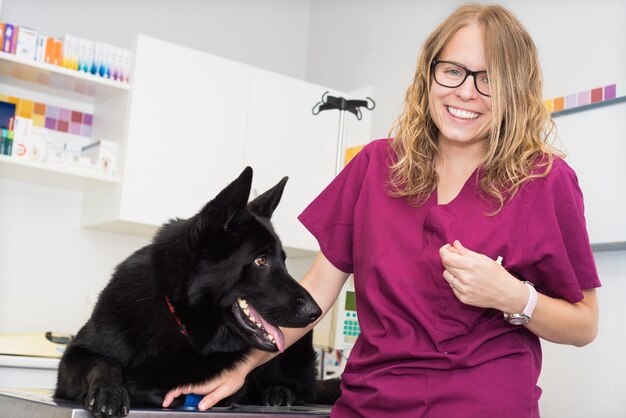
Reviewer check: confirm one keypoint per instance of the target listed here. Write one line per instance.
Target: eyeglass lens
(452, 75)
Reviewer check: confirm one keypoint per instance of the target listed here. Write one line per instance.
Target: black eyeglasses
(452, 75)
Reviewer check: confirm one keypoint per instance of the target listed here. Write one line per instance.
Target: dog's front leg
(106, 396)
(88, 377)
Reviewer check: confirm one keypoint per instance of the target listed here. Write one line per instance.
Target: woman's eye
(453, 72)
(261, 261)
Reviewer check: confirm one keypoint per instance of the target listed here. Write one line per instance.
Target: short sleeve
(557, 253)
(330, 217)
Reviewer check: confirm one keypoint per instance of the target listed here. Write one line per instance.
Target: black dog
(192, 304)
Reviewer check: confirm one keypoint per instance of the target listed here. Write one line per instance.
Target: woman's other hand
(222, 386)
(480, 281)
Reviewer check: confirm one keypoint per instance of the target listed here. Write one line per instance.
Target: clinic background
(51, 269)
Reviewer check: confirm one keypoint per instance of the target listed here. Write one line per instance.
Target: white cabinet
(26, 371)
(194, 121)
(284, 138)
(185, 137)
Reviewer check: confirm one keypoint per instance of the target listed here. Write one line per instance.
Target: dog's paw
(278, 396)
(108, 401)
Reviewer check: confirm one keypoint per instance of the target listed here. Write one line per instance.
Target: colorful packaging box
(26, 43)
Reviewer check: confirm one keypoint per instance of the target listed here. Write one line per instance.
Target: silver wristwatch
(527, 313)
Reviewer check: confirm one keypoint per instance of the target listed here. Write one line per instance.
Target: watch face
(517, 319)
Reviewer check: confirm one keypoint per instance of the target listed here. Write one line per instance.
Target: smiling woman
(434, 340)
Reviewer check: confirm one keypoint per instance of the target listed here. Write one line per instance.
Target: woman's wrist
(254, 359)
(517, 299)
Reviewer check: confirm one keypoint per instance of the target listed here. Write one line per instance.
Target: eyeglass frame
(468, 72)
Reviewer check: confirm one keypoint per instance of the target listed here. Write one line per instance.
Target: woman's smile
(462, 113)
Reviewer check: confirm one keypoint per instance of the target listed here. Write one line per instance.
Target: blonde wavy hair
(519, 147)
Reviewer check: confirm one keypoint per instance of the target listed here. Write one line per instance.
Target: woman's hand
(479, 281)
(222, 386)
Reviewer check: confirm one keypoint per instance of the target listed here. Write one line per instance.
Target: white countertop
(29, 362)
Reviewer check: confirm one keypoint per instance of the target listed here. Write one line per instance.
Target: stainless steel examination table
(38, 403)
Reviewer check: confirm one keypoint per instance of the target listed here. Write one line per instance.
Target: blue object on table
(192, 401)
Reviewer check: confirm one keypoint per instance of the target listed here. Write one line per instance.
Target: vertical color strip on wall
(596, 95)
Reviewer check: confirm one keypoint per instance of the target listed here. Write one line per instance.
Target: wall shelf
(589, 106)
(55, 79)
(609, 246)
(53, 175)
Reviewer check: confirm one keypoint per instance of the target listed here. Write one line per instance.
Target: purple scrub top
(421, 351)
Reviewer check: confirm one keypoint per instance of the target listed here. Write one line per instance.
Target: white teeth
(244, 307)
(463, 114)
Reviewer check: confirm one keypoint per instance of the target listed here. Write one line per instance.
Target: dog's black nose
(308, 309)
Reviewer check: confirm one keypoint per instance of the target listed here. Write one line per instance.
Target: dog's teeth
(246, 311)
(258, 324)
(271, 338)
(242, 303)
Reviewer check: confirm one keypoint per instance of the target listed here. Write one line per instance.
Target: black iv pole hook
(352, 106)
(343, 105)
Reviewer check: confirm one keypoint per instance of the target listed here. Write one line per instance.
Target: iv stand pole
(340, 153)
(343, 105)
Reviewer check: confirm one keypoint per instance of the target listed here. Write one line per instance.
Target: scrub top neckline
(460, 194)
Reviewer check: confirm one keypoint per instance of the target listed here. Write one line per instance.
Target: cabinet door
(284, 138)
(186, 131)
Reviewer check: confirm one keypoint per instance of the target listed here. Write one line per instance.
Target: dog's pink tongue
(279, 337)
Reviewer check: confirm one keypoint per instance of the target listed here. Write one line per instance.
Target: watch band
(527, 313)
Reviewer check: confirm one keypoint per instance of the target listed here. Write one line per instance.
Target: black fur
(132, 350)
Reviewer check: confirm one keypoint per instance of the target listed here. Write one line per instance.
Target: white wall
(50, 268)
(269, 34)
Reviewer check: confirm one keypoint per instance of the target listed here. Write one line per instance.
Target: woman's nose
(467, 90)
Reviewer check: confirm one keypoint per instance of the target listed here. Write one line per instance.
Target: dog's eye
(261, 261)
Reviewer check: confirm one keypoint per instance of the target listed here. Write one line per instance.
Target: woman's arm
(562, 322)
(478, 280)
(323, 281)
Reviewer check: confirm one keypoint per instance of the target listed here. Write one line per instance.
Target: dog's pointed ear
(265, 204)
(225, 210)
